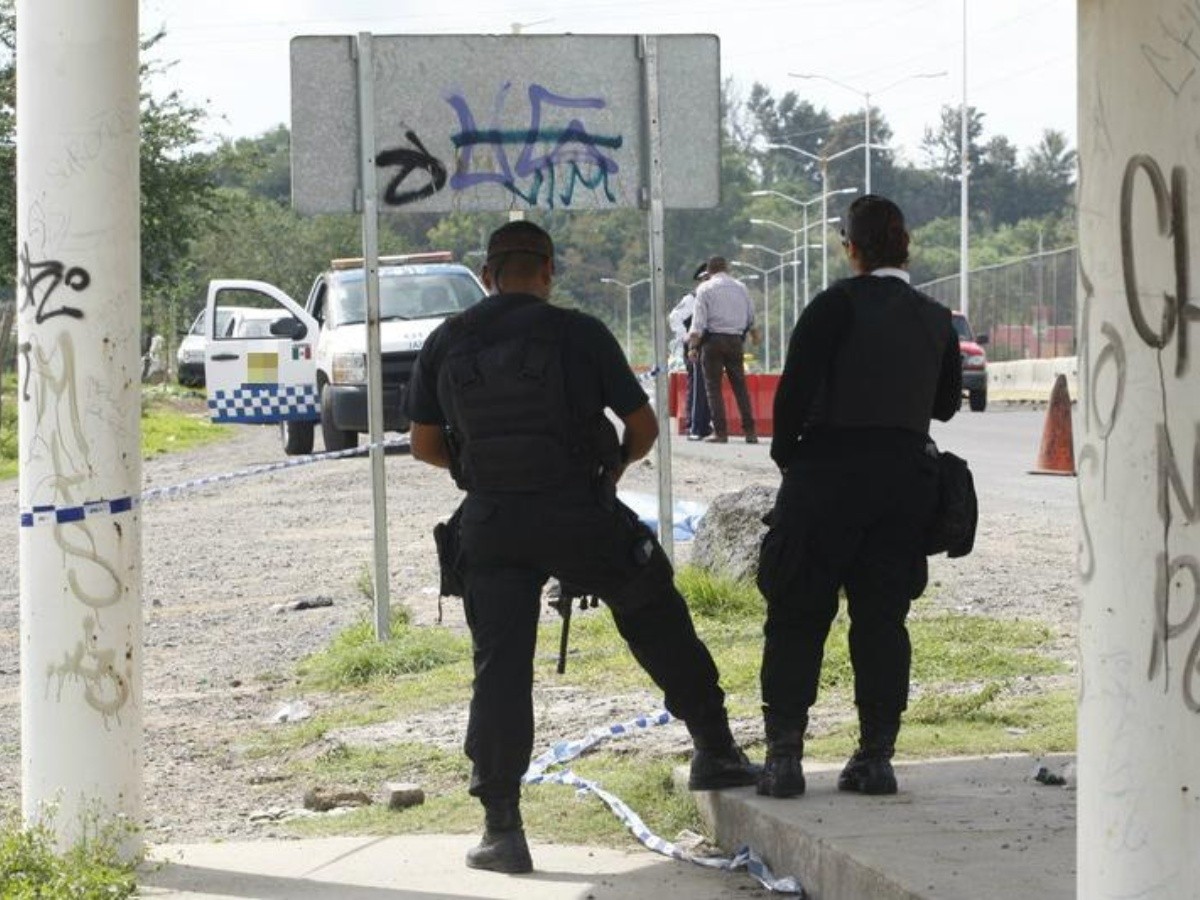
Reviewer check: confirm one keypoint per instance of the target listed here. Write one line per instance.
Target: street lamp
(628, 310)
(804, 205)
(824, 162)
(866, 95)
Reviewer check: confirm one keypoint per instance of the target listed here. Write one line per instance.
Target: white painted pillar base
(79, 367)
(1138, 454)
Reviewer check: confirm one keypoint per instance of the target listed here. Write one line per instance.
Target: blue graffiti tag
(572, 147)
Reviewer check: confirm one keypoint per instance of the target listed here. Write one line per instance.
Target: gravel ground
(218, 560)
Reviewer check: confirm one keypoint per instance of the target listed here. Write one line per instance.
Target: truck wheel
(297, 437)
(334, 438)
(978, 400)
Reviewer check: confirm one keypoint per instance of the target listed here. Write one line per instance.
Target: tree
(943, 145)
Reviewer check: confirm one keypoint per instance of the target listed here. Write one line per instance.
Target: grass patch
(355, 658)
(176, 419)
(550, 812)
(31, 868)
(971, 689)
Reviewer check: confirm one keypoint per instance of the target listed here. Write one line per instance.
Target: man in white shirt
(723, 317)
(696, 413)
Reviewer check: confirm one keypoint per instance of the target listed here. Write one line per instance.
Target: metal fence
(1025, 306)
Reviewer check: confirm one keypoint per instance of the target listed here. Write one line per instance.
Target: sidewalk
(425, 867)
(961, 829)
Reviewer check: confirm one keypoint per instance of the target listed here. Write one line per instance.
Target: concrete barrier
(1030, 380)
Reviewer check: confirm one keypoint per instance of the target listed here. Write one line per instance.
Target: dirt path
(218, 559)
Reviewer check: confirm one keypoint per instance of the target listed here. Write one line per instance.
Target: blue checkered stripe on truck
(258, 403)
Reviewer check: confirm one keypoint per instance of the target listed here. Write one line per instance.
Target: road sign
(501, 122)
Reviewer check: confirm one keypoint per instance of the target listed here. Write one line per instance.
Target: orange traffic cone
(1056, 456)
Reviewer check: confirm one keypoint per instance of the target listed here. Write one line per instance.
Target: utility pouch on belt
(446, 536)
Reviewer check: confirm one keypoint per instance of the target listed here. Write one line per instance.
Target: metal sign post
(658, 307)
(370, 239)
(508, 123)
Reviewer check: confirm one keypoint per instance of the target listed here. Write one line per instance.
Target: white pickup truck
(311, 366)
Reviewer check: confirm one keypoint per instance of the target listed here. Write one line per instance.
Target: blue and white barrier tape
(565, 751)
(61, 515)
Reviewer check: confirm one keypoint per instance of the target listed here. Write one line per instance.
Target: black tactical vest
(503, 388)
(885, 373)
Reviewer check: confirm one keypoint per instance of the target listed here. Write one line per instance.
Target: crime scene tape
(565, 751)
(60, 515)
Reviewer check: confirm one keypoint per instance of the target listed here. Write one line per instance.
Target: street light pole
(628, 310)
(964, 264)
(766, 301)
(824, 162)
(804, 205)
(866, 95)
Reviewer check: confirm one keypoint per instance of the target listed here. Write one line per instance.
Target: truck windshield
(402, 295)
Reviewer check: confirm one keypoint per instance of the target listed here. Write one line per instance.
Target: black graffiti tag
(410, 160)
(1171, 210)
(39, 281)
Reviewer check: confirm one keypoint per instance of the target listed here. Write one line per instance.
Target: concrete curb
(960, 829)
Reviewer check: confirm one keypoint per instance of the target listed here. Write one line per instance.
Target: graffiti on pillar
(1171, 213)
(1176, 629)
(1174, 55)
(106, 680)
(40, 282)
(59, 445)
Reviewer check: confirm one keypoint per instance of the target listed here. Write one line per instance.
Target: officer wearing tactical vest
(870, 361)
(511, 396)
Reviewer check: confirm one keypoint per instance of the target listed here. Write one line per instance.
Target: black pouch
(781, 559)
(447, 536)
(952, 530)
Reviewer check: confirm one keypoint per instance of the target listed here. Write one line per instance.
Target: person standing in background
(724, 317)
(696, 412)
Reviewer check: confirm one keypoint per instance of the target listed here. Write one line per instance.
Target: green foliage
(170, 424)
(714, 596)
(356, 658)
(31, 868)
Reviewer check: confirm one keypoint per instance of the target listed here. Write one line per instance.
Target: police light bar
(434, 256)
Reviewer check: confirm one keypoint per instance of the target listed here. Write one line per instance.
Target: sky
(232, 55)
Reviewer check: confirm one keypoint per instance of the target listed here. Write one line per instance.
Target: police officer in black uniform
(870, 361)
(510, 396)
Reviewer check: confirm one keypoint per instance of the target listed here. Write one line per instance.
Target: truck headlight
(974, 360)
(191, 356)
(349, 368)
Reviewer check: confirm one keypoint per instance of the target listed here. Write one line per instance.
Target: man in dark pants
(511, 397)
(724, 316)
(870, 362)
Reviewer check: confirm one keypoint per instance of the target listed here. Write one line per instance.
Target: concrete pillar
(79, 395)
(1138, 422)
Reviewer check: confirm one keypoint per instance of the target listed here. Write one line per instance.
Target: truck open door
(260, 367)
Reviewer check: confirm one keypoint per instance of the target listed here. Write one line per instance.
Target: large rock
(728, 536)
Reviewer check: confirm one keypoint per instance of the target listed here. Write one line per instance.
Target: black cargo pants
(510, 545)
(854, 518)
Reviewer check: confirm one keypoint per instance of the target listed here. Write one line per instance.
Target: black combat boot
(869, 770)
(718, 762)
(503, 848)
(782, 774)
